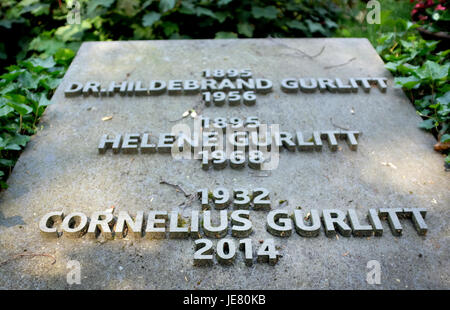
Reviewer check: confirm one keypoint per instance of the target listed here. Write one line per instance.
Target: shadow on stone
(11, 221)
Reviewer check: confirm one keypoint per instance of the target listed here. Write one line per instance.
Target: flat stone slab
(394, 167)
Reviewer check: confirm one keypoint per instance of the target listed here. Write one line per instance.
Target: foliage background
(40, 26)
(38, 45)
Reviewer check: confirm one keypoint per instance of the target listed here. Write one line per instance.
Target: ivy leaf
(21, 108)
(408, 82)
(64, 56)
(221, 16)
(6, 162)
(18, 103)
(8, 77)
(43, 63)
(47, 45)
(445, 138)
(93, 4)
(150, 18)
(166, 5)
(269, 12)
(43, 101)
(431, 70)
(169, 28)
(28, 80)
(427, 124)
(330, 24)
(128, 7)
(187, 8)
(225, 35)
(15, 142)
(37, 9)
(245, 29)
(72, 32)
(12, 147)
(9, 88)
(5, 110)
(21, 140)
(315, 27)
(445, 99)
(223, 2)
(51, 83)
(406, 68)
(392, 66)
(203, 11)
(295, 24)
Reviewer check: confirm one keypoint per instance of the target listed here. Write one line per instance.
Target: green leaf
(72, 32)
(225, 35)
(128, 7)
(203, 11)
(315, 27)
(223, 2)
(445, 99)
(43, 63)
(245, 29)
(406, 68)
(5, 110)
(431, 70)
(8, 77)
(43, 101)
(6, 162)
(18, 103)
(169, 28)
(93, 4)
(295, 24)
(50, 83)
(21, 108)
(221, 16)
(46, 45)
(427, 124)
(408, 82)
(330, 24)
(187, 8)
(269, 12)
(392, 66)
(64, 56)
(445, 138)
(150, 18)
(9, 88)
(37, 9)
(166, 5)
(28, 80)
(18, 139)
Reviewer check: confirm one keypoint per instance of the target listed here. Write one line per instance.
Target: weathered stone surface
(61, 169)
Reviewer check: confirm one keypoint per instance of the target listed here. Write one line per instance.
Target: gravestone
(346, 155)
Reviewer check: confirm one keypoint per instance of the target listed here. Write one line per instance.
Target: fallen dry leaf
(441, 146)
(389, 165)
(110, 210)
(308, 216)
